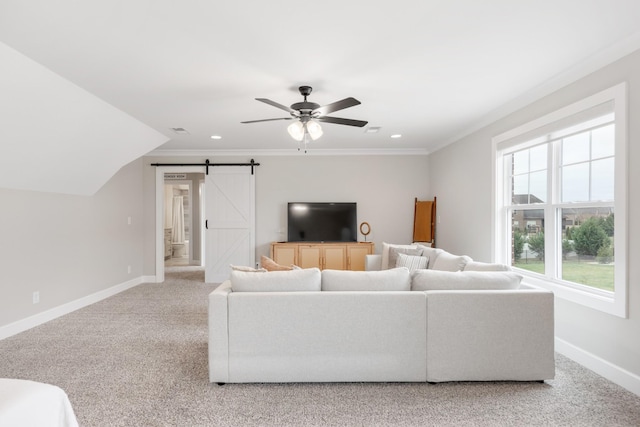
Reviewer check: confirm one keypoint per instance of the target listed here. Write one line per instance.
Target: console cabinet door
(284, 254)
(334, 257)
(309, 256)
(356, 255)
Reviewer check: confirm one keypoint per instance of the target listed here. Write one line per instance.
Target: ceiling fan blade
(277, 105)
(339, 121)
(267, 120)
(335, 106)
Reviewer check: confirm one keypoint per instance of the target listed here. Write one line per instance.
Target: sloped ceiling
(430, 70)
(57, 137)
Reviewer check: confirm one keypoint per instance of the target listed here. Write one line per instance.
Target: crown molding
(292, 152)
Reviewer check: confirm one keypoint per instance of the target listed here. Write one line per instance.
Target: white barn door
(230, 221)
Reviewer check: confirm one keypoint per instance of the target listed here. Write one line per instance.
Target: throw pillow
(248, 269)
(449, 262)
(412, 262)
(485, 266)
(394, 252)
(385, 254)
(270, 265)
(395, 279)
(431, 280)
(431, 253)
(303, 280)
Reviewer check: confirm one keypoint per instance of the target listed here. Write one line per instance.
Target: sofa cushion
(485, 266)
(302, 280)
(412, 262)
(395, 279)
(431, 280)
(431, 253)
(270, 265)
(386, 247)
(449, 262)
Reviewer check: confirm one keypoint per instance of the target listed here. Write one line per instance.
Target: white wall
(384, 187)
(68, 247)
(460, 175)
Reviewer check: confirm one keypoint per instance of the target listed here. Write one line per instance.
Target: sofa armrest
(218, 333)
(491, 335)
(373, 262)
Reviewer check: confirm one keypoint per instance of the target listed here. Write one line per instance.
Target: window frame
(534, 133)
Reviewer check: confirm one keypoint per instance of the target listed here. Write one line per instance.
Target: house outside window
(560, 201)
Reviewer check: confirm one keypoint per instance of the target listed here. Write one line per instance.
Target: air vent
(180, 131)
(372, 129)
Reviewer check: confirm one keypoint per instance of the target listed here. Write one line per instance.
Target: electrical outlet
(36, 297)
(128, 220)
(128, 269)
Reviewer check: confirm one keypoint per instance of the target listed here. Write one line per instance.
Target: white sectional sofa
(383, 326)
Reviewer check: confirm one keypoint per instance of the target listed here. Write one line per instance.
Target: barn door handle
(206, 224)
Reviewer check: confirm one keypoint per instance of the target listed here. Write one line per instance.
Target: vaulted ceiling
(429, 70)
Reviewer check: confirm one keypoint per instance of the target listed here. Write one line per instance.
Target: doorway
(183, 213)
(229, 212)
(178, 200)
(172, 248)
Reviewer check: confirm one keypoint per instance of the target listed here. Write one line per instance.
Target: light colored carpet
(140, 359)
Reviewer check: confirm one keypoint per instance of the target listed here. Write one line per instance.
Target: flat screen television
(321, 222)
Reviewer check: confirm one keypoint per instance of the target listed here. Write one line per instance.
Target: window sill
(610, 303)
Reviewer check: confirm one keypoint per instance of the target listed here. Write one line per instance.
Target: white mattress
(27, 403)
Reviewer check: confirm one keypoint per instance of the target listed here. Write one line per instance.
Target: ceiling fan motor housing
(305, 108)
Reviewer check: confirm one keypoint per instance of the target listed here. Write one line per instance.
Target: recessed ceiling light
(396, 136)
(216, 137)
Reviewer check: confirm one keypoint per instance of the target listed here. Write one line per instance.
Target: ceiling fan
(307, 115)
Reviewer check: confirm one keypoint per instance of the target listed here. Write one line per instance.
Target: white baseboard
(53, 313)
(612, 372)
(148, 279)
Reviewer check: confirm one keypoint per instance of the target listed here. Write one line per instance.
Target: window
(560, 205)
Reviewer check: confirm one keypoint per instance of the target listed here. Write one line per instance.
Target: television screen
(322, 222)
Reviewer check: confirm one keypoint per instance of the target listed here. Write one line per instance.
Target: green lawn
(587, 273)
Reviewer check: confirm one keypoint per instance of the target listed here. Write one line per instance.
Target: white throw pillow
(385, 253)
(431, 253)
(248, 269)
(303, 280)
(395, 279)
(431, 280)
(485, 266)
(412, 262)
(449, 262)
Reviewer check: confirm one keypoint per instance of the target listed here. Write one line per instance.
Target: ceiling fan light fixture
(307, 115)
(296, 130)
(314, 129)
